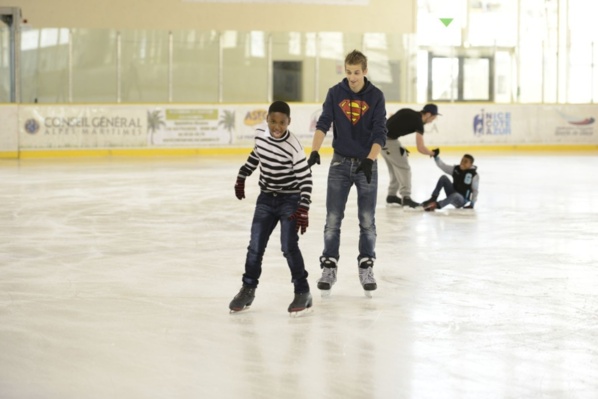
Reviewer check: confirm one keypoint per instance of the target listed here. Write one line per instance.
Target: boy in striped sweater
(285, 194)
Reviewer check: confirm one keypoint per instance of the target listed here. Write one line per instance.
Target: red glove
(240, 188)
(302, 219)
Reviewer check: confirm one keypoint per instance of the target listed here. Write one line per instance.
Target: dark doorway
(288, 81)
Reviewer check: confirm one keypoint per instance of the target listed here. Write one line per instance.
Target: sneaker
(366, 274)
(431, 206)
(242, 300)
(300, 302)
(393, 199)
(407, 201)
(328, 273)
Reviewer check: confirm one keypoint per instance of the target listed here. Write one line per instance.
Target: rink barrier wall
(114, 130)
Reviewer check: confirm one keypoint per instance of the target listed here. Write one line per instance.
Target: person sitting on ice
(462, 192)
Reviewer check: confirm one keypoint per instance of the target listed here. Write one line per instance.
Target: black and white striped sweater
(283, 166)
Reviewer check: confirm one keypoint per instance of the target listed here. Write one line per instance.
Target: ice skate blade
(300, 313)
(461, 212)
(325, 293)
(368, 294)
(231, 311)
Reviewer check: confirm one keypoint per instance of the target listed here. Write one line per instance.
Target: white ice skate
(366, 277)
(327, 280)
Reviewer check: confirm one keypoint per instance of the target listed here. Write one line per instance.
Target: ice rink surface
(116, 274)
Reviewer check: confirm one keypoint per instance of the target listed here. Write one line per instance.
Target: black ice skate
(242, 300)
(408, 202)
(428, 202)
(393, 200)
(301, 304)
(431, 207)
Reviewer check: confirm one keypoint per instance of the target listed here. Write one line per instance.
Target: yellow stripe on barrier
(9, 155)
(517, 148)
(153, 152)
(221, 151)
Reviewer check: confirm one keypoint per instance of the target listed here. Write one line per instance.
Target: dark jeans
(269, 210)
(341, 177)
(452, 196)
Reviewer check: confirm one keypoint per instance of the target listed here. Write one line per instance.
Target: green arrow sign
(446, 21)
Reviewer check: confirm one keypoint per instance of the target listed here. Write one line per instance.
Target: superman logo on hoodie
(354, 109)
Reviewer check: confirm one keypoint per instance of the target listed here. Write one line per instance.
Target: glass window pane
(531, 79)
(385, 53)
(503, 65)
(293, 47)
(582, 20)
(594, 80)
(144, 66)
(445, 78)
(94, 66)
(537, 80)
(549, 71)
(476, 79)
(195, 66)
(245, 76)
(422, 72)
(44, 69)
(492, 23)
(580, 73)
(582, 55)
(4, 64)
(334, 47)
(430, 29)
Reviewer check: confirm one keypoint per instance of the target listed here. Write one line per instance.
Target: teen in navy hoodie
(357, 111)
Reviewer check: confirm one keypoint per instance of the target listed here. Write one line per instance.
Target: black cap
(280, 106)
(431, 108)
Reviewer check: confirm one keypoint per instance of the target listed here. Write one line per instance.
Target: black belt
(355, 159)
(277, 194)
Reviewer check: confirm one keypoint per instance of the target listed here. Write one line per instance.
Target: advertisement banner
(475, 125)
(75, 127)
(568, 123)
(508, 124)
(186, 126)
(224, 125)
(303, 122)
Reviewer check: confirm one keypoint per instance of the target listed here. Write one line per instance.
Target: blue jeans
(341, 177)
(452, 196)
(269, 210)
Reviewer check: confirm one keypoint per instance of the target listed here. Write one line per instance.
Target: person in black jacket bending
(403, 122)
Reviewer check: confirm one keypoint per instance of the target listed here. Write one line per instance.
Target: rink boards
(36, 130)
